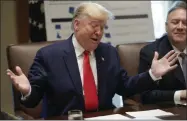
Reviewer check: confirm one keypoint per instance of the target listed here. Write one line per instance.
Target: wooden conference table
(180, 111)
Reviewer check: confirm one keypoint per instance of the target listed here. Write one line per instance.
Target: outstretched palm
(20, 81)
(163, 65)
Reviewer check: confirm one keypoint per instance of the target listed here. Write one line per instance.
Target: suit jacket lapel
(72, 66)
(165, 47)
(101, 74)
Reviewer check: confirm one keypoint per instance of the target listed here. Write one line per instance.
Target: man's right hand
(20, 81)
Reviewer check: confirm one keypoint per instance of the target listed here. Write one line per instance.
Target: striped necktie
(184, 65)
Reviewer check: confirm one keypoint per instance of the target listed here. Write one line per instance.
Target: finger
(12, 78)
(155, 56)
(18, 70)
(173, 67)
(11, 73)
(173, 61)
(173, 56)
(169, 54)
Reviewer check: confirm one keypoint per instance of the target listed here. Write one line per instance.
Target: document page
(109, 117)
(149, 113)
(146, 118)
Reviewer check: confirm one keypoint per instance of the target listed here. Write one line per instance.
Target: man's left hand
(163, 65)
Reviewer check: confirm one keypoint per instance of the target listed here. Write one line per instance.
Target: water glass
(75, 115)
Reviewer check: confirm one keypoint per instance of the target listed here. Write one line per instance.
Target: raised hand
(163, 65)
(20, 81)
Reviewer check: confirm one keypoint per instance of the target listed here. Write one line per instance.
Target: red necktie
(90, 91)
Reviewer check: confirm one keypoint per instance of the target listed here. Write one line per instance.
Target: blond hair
(93, 10)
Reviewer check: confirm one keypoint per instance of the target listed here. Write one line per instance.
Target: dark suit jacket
(172, 81)
(55, 72)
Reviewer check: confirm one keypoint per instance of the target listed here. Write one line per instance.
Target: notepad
(150, 113)
(109, 117)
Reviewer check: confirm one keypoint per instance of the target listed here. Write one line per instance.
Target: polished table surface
(179, 111)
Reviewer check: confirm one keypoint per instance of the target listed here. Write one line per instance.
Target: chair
(129, 59)
(22, 55)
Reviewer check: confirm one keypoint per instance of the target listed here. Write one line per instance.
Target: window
(159, 13)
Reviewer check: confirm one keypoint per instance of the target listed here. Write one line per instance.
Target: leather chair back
(129, 56)
(22, 55)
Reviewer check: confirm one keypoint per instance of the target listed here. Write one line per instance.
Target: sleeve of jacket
(38, 79)
(153, 95)
(128, 86)
(145, 60)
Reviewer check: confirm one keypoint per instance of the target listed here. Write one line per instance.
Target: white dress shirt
(177, 94)
(79, 52)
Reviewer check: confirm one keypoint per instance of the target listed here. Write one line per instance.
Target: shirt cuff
(177, 99)
(24, 97)
(153, 77)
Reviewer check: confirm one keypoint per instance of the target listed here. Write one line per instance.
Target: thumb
(18, 70)
(155, 56)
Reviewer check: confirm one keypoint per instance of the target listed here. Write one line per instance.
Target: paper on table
(185, 104)
(146, 118)
(149, 113)
(108, 117)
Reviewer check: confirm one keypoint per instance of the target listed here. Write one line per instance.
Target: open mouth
(95, 40)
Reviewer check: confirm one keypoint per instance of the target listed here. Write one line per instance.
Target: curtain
(159, 13)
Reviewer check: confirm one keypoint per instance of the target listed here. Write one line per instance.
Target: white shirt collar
(78, 48)
(177, 50)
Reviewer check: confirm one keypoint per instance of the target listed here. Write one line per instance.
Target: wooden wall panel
(22, 14)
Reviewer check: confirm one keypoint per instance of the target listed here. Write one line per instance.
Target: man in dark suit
(171, 87)
(81, 72)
